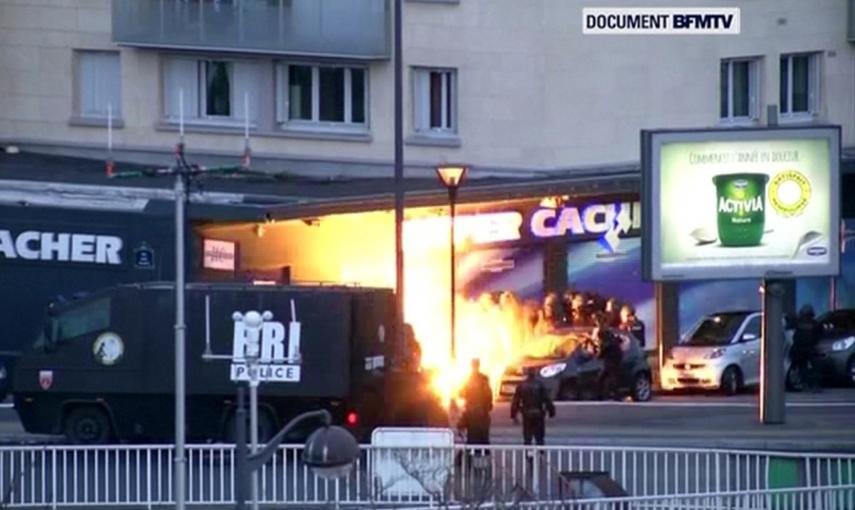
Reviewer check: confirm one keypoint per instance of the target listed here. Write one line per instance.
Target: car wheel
(731, 381)
(569, 390)
(642, 389)
(87, 425)
(795, 381)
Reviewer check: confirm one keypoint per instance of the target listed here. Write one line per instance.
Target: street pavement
(814, 422)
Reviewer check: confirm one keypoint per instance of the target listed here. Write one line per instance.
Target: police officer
(611, 354)
(532, 401)
(629, 322)
(807, 334)
(478, 398)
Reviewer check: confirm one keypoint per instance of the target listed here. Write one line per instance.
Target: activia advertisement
(759, 206)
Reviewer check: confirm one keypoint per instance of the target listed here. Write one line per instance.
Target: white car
(721, 352)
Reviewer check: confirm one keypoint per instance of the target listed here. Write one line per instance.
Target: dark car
(572, 369)
(835, 352)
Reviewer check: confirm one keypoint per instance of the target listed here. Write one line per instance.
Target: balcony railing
(337, 28)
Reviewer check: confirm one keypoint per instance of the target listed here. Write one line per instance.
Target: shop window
(846, 280)
(699, 299)
(518, 270)
(815, 292)
(593, 269)
(739, 90)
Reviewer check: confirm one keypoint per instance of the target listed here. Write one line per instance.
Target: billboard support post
(772, 395)
(667, 300)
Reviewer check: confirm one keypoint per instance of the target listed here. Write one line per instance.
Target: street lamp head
(330, 451)
(253, 319)
(451, 175)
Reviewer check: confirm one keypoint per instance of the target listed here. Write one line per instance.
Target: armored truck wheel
(87, 425)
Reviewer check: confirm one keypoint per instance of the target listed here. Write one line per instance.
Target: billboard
(741, 203)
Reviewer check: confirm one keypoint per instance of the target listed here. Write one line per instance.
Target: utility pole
(399, 182)
(183, 172)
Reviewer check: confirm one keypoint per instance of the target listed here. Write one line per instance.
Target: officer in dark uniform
(629, 322)
(807, 334)
(478, 398)
(532, 401)
(611, 354)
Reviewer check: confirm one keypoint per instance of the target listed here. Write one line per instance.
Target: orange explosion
(497, 333)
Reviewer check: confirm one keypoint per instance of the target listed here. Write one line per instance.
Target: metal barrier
(840, 497)
(141, 475)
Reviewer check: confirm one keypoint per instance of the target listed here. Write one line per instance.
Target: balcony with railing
(336, 28)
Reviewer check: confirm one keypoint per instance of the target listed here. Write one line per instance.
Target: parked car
(835, 352)
(572, 370)
(721, 352)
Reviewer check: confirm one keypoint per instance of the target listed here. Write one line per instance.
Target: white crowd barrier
(53, 476)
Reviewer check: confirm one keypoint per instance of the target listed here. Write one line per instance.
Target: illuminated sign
(218, 255)
(610, 220)
(754, 203)
(478, 228)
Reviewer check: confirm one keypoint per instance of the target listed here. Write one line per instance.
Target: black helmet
(806, 311)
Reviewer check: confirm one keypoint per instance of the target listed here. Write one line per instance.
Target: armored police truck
(102, 366)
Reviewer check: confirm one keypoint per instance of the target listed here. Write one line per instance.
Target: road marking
(697, 404)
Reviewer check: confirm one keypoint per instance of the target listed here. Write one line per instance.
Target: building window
(739, 90)
(217, 88)
(98, 84)
(435, 101)
(799, 84)
(322, 96)
(212, 91)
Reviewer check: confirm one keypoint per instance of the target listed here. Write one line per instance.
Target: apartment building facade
(502, 85)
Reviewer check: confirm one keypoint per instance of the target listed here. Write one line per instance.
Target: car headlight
(842, 345)
(552, 370)
(716, 353)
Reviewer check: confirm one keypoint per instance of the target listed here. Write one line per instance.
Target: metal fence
(814, 498)
(141, 475)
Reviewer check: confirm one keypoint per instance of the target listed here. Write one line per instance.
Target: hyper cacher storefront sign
(607, 220)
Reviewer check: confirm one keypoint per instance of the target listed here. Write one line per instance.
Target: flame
(359, 247)
(498, 333)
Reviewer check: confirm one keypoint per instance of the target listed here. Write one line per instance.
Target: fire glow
(497, 332)
(359, 248)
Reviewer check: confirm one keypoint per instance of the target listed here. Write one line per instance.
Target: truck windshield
(715, 330)
(75, 322)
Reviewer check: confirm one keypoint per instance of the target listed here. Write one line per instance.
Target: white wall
(534, 92)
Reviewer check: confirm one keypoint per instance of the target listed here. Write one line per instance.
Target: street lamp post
(330, 451)
(253, 322)
(451, 177)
